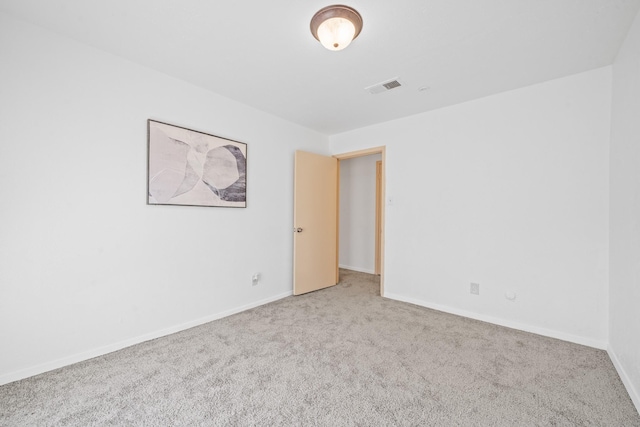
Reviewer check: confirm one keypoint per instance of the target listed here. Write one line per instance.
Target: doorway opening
(363, 242)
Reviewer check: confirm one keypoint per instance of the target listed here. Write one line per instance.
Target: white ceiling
(262, 53)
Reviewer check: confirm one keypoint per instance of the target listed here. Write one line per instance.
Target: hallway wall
(357, 213)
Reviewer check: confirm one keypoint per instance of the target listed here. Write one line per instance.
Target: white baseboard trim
(358, 269)
(100, 351)
(589, 342)
(633, 393)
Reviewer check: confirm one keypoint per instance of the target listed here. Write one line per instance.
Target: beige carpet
(340, 356)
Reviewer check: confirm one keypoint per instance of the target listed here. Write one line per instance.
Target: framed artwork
(191, 168)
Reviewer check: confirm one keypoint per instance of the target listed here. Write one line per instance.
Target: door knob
(298, 230)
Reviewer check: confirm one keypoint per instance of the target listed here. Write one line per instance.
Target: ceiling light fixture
(336, 26)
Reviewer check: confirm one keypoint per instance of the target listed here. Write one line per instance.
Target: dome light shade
(336, 33)
(336, 26)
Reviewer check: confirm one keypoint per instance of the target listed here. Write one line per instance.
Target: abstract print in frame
(191, 168)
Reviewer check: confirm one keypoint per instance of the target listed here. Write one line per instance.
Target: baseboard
(358, 269)
(90, 354)
(589, 342)
(633, 393)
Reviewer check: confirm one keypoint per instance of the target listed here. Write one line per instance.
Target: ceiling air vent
(383, 86)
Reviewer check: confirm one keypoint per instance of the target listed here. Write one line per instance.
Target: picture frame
(186, 167)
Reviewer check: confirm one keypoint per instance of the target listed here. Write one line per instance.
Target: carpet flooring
(342, 356)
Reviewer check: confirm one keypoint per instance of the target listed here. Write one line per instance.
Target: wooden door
(378, 239)
(315, 221)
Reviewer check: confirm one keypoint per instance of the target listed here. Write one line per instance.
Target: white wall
(85, 265)
(358, 213)
(624, 279)
(509, 191)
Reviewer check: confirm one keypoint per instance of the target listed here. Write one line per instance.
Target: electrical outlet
(474, 288)
(255, 279)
